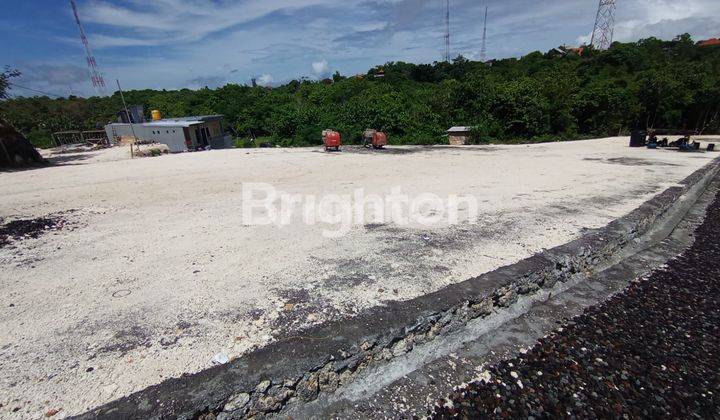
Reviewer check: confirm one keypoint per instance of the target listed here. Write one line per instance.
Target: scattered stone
(309, 389)
(483, 308)
(506, 296)
(51, 412)
(263, 386)
(220, 359)
(168, 341)
(238, 402)
(330, 381)
(267, 404)
(401, 347)
(527, 288)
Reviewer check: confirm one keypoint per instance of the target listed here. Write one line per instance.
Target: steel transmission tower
(447, 30)
(97, 80)
(483, 47)
(602, 35)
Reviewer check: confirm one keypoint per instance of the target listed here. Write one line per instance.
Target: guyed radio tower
(602, 35)
(483, 46)
(447, 30)
(97, 80)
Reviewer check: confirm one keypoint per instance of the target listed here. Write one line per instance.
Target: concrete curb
(298, 369)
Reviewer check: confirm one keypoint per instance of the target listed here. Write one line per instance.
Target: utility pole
(447, 30)
(127, 113)
(483, 47)
(602, 35)
(95, 76)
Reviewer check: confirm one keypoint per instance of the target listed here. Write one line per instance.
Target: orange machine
(331, 140)
(374, 138)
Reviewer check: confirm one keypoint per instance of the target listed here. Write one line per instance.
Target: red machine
(331, 140)
(374, 138)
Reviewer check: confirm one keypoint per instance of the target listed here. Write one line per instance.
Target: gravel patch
(18, 230)
(651, 351)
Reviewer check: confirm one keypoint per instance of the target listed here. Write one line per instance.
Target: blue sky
(170, 44)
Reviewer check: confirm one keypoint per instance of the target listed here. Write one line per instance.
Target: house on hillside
(179, 134)
(712, 42)
(458, 136)
(576, 50)
(566, 50)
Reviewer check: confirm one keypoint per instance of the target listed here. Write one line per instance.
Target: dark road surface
(651, 351)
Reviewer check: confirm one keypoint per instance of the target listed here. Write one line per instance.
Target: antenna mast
(483, 47)
(602, 35)
(447, 30)
(95, 76)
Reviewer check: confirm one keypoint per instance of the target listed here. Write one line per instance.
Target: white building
(179, 134)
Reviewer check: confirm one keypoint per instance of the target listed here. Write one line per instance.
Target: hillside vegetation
(551, 96)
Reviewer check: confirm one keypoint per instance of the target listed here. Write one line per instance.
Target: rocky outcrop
(15, 149)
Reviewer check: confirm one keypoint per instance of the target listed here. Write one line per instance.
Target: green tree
(5, 77)
(538, 97)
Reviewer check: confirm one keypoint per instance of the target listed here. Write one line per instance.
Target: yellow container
(156, 115)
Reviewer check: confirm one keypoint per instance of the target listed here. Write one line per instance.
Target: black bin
(637, 138)
(711, 147)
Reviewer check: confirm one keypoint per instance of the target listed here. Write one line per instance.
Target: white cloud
(180, 43)
(265, 80)
(320, 68)
(100, 41)
(161, 22)
(207, 81)
(584, 39)
(664, 19)
(701, 27)
(62, 75)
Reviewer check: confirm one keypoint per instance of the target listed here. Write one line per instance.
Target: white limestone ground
(160, 272)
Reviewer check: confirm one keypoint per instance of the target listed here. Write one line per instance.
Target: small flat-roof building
(458, 136)
(179, 134)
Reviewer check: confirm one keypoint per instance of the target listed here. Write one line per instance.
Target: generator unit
(331, 140)
(374, 138)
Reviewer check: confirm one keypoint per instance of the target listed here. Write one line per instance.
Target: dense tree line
(556, 95)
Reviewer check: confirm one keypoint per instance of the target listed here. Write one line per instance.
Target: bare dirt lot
(149, 270)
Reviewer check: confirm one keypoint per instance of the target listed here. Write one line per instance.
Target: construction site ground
(129, 272)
